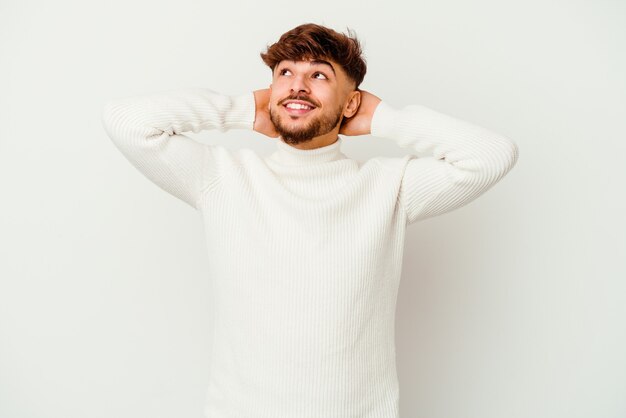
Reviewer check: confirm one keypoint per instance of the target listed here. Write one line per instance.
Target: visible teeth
(297, 106)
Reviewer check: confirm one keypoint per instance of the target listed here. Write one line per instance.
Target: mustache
(299, 96)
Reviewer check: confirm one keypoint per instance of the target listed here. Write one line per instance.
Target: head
(321, 69)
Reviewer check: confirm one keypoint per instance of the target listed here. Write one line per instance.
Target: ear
(353, 103)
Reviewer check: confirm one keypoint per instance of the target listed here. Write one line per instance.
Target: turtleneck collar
(289, 155)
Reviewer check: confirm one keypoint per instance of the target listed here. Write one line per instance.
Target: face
(308, 100)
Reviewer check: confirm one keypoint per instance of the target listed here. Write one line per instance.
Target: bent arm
(148, 129)
(452, 161)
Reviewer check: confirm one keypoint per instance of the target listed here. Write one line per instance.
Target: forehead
(313, 63)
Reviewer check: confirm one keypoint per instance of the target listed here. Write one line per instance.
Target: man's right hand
(262, 122)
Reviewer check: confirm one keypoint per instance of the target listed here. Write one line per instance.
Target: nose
(299, 84)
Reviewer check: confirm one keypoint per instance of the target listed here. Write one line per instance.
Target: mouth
(298, 108)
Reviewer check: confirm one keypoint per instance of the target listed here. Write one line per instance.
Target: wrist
(242, 112)
(383, 120)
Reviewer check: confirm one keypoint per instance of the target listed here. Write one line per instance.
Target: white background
(512, 306)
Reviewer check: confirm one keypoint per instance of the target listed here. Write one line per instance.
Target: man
(306, 245)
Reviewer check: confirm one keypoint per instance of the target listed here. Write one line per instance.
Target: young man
(305, 245)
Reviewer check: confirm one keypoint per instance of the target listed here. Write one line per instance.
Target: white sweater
(305, 246)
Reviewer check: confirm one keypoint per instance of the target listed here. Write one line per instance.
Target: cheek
(332, 102)
(278, 93)
(274, 98)
(279, 84)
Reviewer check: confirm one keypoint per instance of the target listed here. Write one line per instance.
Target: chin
(295, 140)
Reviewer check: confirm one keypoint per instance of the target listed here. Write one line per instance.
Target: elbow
(124, 122)
(109, 117)
(490, 166)
(509, 154)
(120, 125)
(501, 160)
(106, 118)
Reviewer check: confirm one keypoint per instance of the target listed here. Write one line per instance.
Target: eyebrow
(320, 62)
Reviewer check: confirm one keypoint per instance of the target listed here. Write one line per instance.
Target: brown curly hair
(312, 41)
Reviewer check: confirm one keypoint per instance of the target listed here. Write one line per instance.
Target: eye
(322, 74)
(282, 72)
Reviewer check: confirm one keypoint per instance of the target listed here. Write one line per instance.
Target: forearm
(178, 111)
(461, 144)
(452, 161)
(149, 129)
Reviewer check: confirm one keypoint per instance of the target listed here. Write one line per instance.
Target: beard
(319, 126)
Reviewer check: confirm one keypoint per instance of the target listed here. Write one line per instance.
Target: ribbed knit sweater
(305, 246)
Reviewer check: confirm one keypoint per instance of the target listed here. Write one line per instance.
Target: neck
(287, 154)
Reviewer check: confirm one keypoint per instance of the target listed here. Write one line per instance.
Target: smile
(298, 108)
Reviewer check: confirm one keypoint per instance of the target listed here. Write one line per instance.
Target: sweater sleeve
(148, 129)
(452, 161)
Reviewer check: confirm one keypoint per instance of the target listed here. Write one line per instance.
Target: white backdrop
(512, 306)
